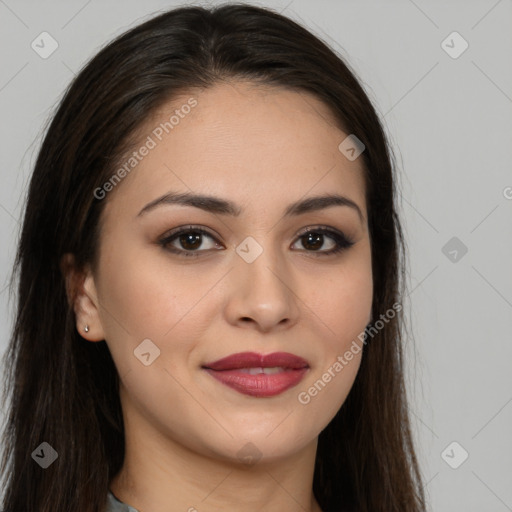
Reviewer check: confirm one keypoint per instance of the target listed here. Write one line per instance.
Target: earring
(86, 328)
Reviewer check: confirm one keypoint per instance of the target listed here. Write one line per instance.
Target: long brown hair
(63, 390)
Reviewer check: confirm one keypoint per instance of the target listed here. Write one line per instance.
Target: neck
(161, 475)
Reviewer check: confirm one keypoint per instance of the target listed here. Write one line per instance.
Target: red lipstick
(259, 375)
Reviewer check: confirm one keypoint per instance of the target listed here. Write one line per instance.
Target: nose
(261, 294)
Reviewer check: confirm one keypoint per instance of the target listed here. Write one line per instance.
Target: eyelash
(342, 242)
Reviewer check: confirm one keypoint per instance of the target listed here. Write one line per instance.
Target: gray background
(450, 123)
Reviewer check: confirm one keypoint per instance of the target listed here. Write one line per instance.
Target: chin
(253, 446)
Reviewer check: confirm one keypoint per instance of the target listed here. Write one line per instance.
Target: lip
(232, 371)
(254, 360)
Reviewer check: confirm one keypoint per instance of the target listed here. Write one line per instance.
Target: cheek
(143, 291)
(343, 302)
(344, 306)
(146, 297)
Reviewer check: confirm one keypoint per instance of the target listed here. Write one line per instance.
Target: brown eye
(313, 240)
(188, 241)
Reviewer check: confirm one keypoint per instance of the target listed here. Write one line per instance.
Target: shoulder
(114, 505)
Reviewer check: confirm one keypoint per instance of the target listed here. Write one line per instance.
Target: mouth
(259, 375)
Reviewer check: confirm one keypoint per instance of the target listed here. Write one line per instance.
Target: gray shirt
(115, 505)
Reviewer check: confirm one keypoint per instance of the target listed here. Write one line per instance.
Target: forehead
(257, 143)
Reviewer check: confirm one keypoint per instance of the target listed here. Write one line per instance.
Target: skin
(262, 148)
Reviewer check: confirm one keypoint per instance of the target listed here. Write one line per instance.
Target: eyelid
(167, 238)
(342, 241)
(320, 227)
(190, 227)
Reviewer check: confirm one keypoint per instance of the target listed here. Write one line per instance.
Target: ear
(82, 295)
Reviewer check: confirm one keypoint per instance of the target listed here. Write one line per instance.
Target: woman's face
(168, 305)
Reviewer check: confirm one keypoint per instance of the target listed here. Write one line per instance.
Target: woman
(209, 283)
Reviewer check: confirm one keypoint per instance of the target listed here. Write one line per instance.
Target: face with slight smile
(201, 296)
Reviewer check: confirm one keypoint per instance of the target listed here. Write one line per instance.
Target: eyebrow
(217, 205)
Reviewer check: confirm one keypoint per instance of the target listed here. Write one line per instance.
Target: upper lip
(254, 360)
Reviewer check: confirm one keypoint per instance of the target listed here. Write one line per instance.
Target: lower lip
(260, 385)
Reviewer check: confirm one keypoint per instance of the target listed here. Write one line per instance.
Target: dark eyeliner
(341, 240)
(170, 237)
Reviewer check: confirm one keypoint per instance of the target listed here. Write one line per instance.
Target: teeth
(267, 371)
